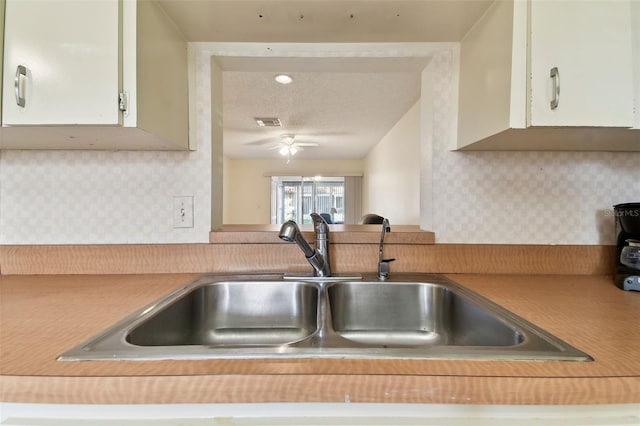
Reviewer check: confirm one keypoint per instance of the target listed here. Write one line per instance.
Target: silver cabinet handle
(21, 74)
(555, 76)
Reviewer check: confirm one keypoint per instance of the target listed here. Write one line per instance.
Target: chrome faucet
(383, 264)
(318, 258)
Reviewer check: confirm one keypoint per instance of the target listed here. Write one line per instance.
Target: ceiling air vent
(268, 121)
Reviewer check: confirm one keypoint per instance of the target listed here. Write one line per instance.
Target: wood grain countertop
(42, 316)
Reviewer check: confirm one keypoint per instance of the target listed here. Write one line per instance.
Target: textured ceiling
(345, 113)
(344, 105)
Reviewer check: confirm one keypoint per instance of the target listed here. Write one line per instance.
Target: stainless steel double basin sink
(274, 316)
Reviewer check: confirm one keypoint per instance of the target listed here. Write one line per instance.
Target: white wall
(391, 182)
(247, 196)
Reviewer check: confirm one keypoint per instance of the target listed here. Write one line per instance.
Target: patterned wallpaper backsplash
(101, 197)
(526, 197)
(104, 197)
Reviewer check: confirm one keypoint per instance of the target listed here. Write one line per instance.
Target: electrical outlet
(183, 211)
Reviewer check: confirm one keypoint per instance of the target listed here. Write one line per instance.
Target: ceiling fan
(287, 146)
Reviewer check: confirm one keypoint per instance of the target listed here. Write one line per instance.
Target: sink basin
(232, 314)
(415, 316)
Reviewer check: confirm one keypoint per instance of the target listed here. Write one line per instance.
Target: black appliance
(627, 218)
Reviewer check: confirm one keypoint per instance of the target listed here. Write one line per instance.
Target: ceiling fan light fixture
(284, 150)
(283, 79)
(293, 150)
(287, 138)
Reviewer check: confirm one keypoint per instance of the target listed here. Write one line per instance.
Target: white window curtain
(352, 199)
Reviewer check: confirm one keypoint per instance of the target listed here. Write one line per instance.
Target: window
(296, 197)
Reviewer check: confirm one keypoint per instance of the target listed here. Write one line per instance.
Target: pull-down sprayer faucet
(383, 264)
(318, 258)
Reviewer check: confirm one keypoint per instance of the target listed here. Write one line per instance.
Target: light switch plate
(183, 211)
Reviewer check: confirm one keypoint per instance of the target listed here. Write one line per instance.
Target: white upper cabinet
(635, 29)
(587, 44)
(552, 75)
(107, 74)
(1, 56)
(62, 63)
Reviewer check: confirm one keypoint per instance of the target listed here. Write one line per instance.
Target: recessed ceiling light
(283, 78)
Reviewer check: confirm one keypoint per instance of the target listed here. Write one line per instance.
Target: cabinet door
(635, 31)
(589, 42)
(62, 59)
(1, 53)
